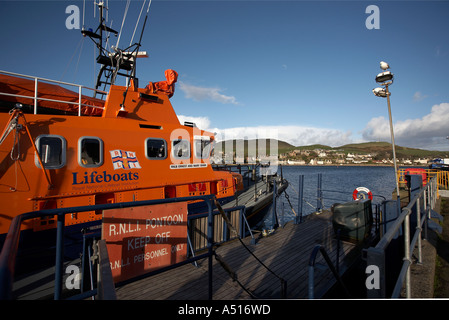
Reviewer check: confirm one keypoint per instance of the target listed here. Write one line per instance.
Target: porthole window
(52, 151)
(155, 149)
(202, 145)
(90, 152)
(181, 149)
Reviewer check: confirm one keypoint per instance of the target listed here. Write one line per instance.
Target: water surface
(338, 184)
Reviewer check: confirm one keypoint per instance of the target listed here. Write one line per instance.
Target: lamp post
(385, 79)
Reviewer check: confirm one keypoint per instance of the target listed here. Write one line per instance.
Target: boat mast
(112, 62)
(135, 54)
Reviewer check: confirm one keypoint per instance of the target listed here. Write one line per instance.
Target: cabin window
(52, 151)
(156, 148)
(202, 145)
(90, 152)
(181, 149)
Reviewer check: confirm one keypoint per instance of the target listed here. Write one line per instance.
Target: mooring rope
(303, 197)
(233, 274)
(233, 229)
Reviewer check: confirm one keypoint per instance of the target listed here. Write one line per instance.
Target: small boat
(439, 164)
(260, 186)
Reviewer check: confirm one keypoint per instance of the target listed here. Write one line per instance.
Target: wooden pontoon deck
(286, 252)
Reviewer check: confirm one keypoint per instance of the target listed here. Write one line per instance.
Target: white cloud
(428, 132)
(418, 96)
(201, 93)
(202, 123)
(295, 135)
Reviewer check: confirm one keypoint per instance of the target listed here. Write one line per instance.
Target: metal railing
(35, 98)
(197, 228)
(11, 244)
(334, 269)
(442, 176)
(336, 196)
(420, 209)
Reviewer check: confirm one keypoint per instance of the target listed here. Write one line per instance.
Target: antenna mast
(114, 62)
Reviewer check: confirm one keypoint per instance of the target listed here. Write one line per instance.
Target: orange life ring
(363, 191)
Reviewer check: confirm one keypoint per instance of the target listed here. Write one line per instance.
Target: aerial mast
(114, 62)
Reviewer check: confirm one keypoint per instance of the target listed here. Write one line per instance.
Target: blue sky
(302, 71)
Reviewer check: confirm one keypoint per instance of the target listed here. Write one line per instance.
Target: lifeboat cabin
(61, 148)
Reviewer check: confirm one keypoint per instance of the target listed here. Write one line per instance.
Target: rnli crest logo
(122, 159)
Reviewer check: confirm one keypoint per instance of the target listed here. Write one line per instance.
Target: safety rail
(300, 213)
(442, 176)
(197, 228)
(11, 244)
(335, 270)
(420, 208)
(36, 98)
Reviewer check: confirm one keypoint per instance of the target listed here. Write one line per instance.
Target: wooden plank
(286, 262)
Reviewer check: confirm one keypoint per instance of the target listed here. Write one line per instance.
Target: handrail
(241, 232)
(313, 255)
(442, 176)
(7, 256)
(35, 97)
(425, 198)
(10, 246)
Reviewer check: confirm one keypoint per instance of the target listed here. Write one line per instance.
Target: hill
(384, 150)
(282, 146)
(381, 150)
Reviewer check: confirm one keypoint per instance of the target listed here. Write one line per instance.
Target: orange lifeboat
(71, 152)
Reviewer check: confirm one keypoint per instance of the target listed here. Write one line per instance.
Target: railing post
(319, 196)
(311, 287)
(274, 219)
(298, 218)
(79, 100)
(35, 95)
(426, 199)
(407, 252)
(59, 256)
(210, 239)
(311, 282)
(418, 228)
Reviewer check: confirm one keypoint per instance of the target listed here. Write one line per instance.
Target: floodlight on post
(380, 92)
(385, 79)
(384, 65)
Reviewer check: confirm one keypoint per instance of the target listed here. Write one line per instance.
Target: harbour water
(338, 185)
